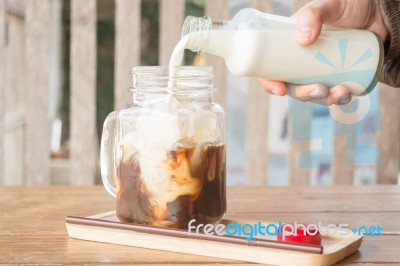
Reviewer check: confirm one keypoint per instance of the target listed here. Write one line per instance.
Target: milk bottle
(262, 45)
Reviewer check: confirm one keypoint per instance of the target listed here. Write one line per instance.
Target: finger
(311, 18)
(273, 87)
(338, 95)
(307, 92)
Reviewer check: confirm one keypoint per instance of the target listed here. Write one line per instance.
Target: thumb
(310, 20)
(309, 25)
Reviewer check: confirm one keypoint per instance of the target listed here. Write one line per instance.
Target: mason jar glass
(163, 157)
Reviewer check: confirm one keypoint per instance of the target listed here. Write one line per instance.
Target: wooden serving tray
(335, 248)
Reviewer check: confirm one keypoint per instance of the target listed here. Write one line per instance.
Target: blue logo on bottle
(362, 77)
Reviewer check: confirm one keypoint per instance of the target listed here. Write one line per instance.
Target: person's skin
(360, 14)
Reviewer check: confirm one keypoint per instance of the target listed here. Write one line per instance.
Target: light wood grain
(65, 250)
(127, 48)
(218, 10)
(83, 141)
(2, 85)
(37, 47)
(32, 225)
(388, 140)
(171, 19)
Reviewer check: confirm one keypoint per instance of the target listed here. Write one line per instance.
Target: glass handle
(107, 154)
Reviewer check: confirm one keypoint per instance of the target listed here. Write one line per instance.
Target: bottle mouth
(200, 25)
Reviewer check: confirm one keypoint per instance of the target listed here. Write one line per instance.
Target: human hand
(361, 14)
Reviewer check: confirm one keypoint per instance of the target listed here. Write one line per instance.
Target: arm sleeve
(391, 67)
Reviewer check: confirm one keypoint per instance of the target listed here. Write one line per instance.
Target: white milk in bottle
(263, 45)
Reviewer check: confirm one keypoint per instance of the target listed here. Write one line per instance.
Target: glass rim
(179, 79)
(153, 69)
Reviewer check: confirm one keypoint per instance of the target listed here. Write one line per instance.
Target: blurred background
(65, 67)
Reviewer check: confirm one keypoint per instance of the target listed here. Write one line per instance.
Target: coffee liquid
(194, 187)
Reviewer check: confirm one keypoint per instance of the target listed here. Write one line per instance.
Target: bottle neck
(196, 30)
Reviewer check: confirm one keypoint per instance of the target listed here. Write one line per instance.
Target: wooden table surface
(32, 222)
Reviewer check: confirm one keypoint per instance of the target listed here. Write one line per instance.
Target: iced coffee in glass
(164, 156)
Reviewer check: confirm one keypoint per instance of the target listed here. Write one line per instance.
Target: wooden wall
(2, 87)
(83, 140)
(37, 59)
(218, 10)
(171, 19)
(127, 43)
(24, 117)
(389, 136)
(14, 98)
(257, 126)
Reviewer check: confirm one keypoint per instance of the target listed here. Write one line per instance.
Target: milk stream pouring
(263, 45)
